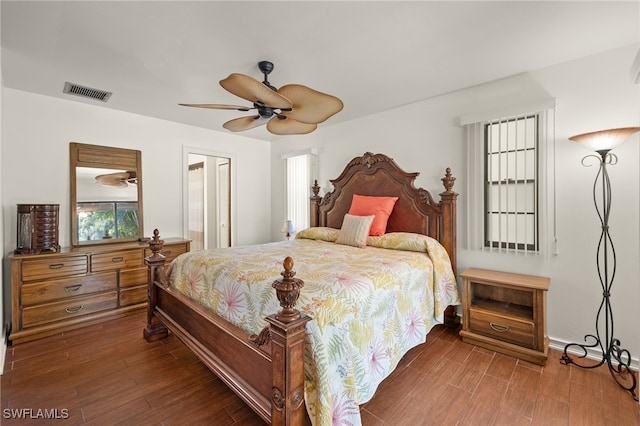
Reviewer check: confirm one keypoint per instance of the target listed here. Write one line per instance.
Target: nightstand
(506, 312)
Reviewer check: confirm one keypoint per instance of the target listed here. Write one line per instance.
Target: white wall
(592, 93)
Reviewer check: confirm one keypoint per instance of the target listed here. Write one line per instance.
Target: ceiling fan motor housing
(263, 110)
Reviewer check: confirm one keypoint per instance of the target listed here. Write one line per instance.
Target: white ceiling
(374, 55)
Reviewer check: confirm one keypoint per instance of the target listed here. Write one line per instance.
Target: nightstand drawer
(507, 329)
(70, 308)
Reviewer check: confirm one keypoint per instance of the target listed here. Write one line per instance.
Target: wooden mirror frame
(103, 157)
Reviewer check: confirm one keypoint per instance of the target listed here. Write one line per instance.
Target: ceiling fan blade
(253, 91)
(310, 106)
(219, 106)
(117, 179)
(289, 126)
(245, 123)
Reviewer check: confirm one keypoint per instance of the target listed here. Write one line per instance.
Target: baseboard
(591, 354)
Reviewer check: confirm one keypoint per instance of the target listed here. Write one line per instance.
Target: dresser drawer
(133, 296)
(116, 260)
(52, 267)
(71, 308)
(169, 251)
(501, 327)
(47, 291)
(133, 277)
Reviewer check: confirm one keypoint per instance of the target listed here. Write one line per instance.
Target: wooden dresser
(506, 312)
(75, 287)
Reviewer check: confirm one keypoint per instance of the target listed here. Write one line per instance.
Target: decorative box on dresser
(506, 312)
(75, 287)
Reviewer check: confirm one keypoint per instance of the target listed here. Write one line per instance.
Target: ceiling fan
(293, 109)
(118, 179)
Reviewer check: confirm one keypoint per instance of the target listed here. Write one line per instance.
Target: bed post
(287, 352)
(315, 205)
(154, 330)
(448, 214)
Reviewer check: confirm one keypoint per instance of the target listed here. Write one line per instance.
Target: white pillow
(355, 230)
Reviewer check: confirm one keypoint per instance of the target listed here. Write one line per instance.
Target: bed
(301, 348)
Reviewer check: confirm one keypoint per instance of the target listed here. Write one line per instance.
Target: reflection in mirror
(208, 201)
(107, 204)
(106, 194)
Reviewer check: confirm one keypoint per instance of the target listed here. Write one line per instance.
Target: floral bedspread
(368, 306)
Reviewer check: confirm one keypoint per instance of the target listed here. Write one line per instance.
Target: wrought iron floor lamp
(617, 359)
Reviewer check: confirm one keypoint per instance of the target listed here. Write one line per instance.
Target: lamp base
(617, 359)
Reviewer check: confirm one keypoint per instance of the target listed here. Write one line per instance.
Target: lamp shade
(287, 227)
(604, 140)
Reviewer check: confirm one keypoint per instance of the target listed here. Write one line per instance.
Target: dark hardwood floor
(108, 374)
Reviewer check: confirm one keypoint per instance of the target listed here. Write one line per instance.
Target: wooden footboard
(265, 370)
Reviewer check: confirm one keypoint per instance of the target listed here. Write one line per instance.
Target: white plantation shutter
(299, 171)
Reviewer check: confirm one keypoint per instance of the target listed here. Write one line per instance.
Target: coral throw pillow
(380, 207)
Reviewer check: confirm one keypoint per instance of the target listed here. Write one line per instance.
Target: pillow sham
(319, 233)
(355, 230)
(380, 207)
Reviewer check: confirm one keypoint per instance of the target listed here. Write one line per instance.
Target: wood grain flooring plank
(550, 411)
(484, 405)
(522, 392)
(502, 366)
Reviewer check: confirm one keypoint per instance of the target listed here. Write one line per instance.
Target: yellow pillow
(319, 233)
(355, 230)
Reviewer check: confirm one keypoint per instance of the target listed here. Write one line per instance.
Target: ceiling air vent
(86, 92)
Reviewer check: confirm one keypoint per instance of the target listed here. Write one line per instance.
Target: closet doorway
(208, 200)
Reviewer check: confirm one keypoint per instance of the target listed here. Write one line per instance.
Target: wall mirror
(106, 194)
(207, 199)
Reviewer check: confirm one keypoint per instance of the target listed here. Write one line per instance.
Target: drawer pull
(117, 259)
(71, 288)
(74, 309)
(499, 327)
(56, 266)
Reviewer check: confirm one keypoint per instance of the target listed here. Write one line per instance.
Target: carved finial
(315, 188)
(288, 291)
(367, 159)
(156, 244)
(448, 180)
(288, 266)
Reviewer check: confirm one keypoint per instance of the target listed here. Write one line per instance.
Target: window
(104, 219)
(511, 179)
(299, 171)
(511, 183)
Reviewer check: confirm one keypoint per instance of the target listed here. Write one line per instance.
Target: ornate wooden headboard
(415, 211)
